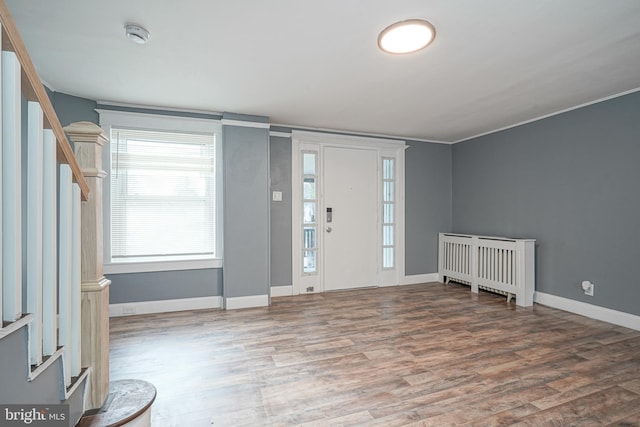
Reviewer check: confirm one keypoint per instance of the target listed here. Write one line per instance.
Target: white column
(34, 228)
(65, 264)
(11, 189)
(50, 245)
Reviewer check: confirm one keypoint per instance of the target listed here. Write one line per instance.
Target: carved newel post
(88, 140)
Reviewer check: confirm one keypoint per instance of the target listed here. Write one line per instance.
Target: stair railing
(41, 192)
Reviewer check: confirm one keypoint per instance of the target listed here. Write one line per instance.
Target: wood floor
(423, 355)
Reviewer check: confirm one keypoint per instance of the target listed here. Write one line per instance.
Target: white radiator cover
(498, 264)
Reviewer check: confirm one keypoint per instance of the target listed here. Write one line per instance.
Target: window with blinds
(163, 195)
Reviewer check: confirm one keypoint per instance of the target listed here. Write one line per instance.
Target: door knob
(329, 229)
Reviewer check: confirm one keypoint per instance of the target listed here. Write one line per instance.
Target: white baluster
(441, 255)
(500, 277)
(11, 189)
(76, 272)
(65, 263)
(468, 260)
(510, 267)
(474, 264)
(50, 246)
(1, 238)
(34, 228)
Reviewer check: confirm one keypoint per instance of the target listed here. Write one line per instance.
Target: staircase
(42, 187)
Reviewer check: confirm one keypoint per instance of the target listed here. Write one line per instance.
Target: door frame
(308, 141)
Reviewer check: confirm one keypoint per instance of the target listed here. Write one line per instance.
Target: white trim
(164, 306)
(14, 326)
(245, 123)
(416, 279)
(281, 291)
(154, 121)
(80, 380)
(338, 140)
(48, 362)
(47, 85)
(589, 310)
(280, 134)
(250, 301)
(566, 110)
(110, 118)
(148, 266)
(156, 108)
(296, 128)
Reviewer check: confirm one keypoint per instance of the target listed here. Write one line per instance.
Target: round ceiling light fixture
(136, 33)
(406, 36)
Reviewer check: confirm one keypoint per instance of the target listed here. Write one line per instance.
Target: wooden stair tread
(127, 400)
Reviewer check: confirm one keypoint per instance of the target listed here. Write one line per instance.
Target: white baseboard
(420, 278)
(608, 315)
(281, 291)
(246, 302)
(163, 306)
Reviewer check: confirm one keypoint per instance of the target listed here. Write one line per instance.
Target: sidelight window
(388, 210)
(310, 208)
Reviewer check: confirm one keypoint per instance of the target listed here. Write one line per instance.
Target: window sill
(161, 265)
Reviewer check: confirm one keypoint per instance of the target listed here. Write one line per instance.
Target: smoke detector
(136, 33)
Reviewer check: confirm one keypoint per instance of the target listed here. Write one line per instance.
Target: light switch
(277, 196)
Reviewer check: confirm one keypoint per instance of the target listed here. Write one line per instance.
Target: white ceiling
(493, 64)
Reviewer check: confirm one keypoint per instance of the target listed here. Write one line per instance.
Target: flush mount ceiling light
(136, 33)
(406, 36)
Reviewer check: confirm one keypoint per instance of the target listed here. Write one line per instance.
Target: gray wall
(427, 204)
(246, 210)
(164, 285)
(72, 109)
(570, 181)
(427, 197)
(44, 389)
(280, 170)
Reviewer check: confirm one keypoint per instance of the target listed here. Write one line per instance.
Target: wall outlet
(588, 287)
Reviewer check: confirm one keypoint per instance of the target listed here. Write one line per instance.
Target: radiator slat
(499, 264)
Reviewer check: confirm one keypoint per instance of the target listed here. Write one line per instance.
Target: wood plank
(412, 355)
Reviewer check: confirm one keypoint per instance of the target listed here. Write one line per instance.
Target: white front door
(361, 180)
(350, 250)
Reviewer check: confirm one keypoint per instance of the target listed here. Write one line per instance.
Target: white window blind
(163, 195)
